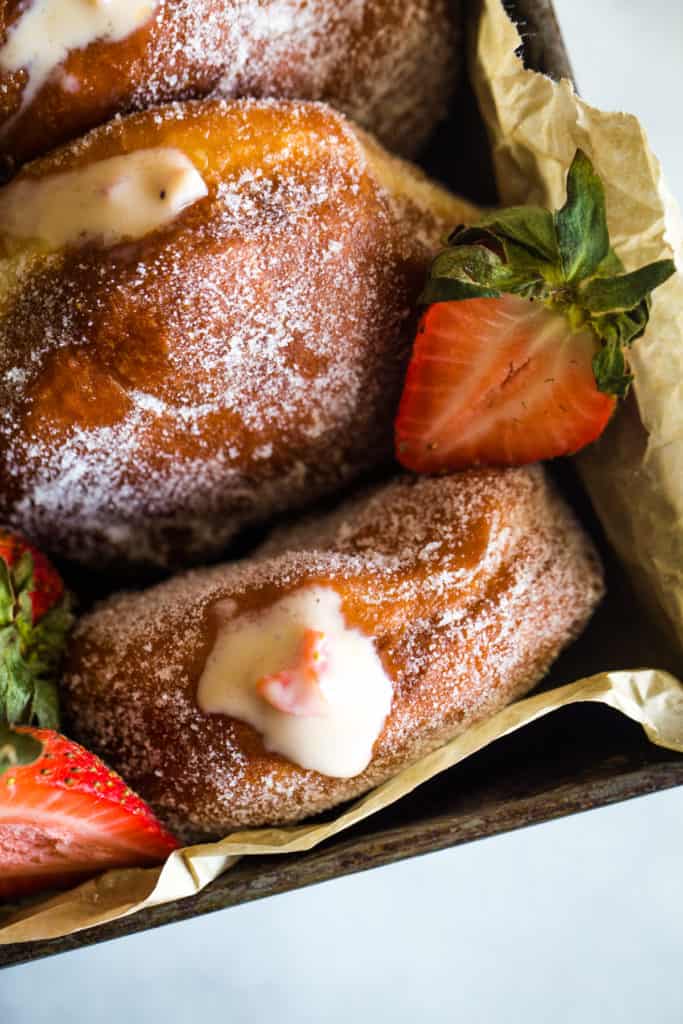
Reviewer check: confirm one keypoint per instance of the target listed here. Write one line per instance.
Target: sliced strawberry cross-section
(66, 816)
(297, 690)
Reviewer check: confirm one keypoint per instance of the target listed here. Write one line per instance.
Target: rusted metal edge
(260, 877)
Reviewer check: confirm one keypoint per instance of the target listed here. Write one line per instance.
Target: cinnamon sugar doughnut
(205, 315)
(69, 65)
(422, 606)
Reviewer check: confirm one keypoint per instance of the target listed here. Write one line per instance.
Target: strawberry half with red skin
(65, 816)
(522, 352)
(35, 619)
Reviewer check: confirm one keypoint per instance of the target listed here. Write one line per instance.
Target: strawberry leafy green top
(563, 259)
(35, 619)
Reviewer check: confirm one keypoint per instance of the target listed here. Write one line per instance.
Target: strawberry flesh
(66, 816)
(297, 691)
(47, 587)
(498, 381)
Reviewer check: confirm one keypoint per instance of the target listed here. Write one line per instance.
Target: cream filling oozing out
(44, 34)
(123, 197)
(337, 739)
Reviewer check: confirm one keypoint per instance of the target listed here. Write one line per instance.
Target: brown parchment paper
(652, 698)
(535, 128)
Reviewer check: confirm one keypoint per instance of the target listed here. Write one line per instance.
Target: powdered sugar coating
(469, 585)
(389, 64)
(157, 396)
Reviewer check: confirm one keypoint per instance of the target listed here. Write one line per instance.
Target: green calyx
(30, 655)
(563, 259)
(17, 748)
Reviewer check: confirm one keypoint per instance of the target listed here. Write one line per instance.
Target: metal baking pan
(581, 757)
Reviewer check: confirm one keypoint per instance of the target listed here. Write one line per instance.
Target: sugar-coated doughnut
(271, 689)
(68, 65)
(205, 316)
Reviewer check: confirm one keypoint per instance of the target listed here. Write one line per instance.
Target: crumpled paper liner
(653, 699)
(535, 128)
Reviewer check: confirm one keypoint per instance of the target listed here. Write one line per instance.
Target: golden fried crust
(158, 395)
(389, 64)
(470, 586)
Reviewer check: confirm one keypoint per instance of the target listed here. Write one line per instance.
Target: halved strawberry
(43, 584)
(521, 353)
(35, 619)
(65, 816)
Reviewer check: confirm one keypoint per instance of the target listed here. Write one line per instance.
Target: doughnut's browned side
(158, 395)
(389, 64)
(470, 586)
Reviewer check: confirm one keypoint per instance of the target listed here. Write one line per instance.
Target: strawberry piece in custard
(297, 690)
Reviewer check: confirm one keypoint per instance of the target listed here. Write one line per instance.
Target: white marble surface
(578, 920)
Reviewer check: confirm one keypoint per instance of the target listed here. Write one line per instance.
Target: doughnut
(268, 690)
(205, 317)
(67, 66)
